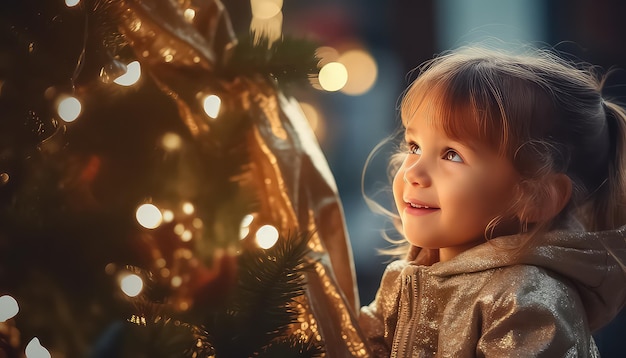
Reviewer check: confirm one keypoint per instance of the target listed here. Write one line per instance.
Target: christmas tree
(160, 195)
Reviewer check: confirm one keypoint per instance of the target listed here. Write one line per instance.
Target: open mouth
(420, 209)
(421, 206)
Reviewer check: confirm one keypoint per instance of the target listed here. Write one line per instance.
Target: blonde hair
(545, 114)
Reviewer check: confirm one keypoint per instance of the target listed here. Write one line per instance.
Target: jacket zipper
(409, 317)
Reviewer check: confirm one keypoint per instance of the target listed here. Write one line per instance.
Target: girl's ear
(546, 198)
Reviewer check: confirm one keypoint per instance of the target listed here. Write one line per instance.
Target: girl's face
(447, 192)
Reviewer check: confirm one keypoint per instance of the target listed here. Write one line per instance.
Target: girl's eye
(414, 149)
(452, 156)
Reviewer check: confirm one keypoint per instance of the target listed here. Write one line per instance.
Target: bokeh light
(333, 76)
(131, 285)
(362, 72)
(327, 54)
(171, 141)
(34, 349)
(4, 178)
(168, 216)
(189, 14)
(132, 75)
(149, 216)
(186, 236)
(177, 281)
(266, 236)
(69, 108)
(72, 3)
(188, 208)
(244, 229)
(265, 9)
(8, 308)
(212, 104)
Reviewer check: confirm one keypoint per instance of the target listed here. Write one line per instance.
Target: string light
(4, 178)
(186, 236)
(69, 108)
(8, 308)
(197, 223)
(34, 349)
(132, 75)
(189, 14)
(149, 216)
(333, 76)
(361, 69)
(265, 9)
(176, 281)
(168, 216)
(188, 208)
(171, 141)
(131, 285)
(72, 3)
(212, 104)
(244, 228)
(266, 236)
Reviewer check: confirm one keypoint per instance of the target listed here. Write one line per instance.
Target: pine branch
(288, 60)
(293, 347)
(261, 309)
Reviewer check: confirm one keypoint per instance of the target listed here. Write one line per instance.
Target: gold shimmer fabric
(483, 303)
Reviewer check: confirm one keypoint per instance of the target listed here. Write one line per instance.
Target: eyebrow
(468, 145)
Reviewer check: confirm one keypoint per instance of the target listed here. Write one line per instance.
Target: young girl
(510, 193)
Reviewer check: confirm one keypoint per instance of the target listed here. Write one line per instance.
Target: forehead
(461, 112)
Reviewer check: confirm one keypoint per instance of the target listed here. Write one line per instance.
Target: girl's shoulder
(530, 285)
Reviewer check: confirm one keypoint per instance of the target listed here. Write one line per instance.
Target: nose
(415, 172)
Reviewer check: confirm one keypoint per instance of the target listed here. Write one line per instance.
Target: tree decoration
(136, 139)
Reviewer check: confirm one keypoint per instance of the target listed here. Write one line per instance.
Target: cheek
(486, 195)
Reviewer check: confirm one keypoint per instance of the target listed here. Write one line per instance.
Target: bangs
(460, 99)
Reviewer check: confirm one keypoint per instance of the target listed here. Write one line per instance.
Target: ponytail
(608, 204)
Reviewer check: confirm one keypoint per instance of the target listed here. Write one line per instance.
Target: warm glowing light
(333, 76)
(244, 228)
(176, 281)
(179, 229)
(268, 30)
(132, 75)
(8, 308)
(212, 104)
(197, 223)
(327, 54)
(168, 216)
(265, 9)
(72, 3)
(266, 236)
(149, 216)
(189, 14)
(362, 72)
(69, 109)
(131, 285)
(243, 232)
(186, 236)
(188, 208)
(34, 349)
(171, 141)
(247, 220)
(4, 178)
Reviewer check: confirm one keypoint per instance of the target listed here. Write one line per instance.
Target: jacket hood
(595, 262)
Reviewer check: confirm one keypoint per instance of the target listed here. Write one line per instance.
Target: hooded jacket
(485, 302)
